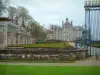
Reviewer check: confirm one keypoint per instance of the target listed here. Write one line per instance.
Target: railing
(94, 51)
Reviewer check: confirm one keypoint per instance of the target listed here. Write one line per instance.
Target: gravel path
(87, 62)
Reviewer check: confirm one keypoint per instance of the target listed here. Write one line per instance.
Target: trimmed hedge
(48, 41)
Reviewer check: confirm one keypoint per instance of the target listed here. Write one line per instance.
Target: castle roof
(78, 28)
(49, 31)
(67, 24)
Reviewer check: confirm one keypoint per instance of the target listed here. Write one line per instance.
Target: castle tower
(72, 23)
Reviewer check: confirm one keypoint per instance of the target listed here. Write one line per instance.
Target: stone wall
(54, 54)
(32, 56)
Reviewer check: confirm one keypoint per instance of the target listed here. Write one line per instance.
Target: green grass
(48, 70)
(96, 45)
(46, 45)
(51, 45)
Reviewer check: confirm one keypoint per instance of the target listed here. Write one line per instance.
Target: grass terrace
(45, 45)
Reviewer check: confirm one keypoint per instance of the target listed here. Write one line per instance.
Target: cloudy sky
(54, 11)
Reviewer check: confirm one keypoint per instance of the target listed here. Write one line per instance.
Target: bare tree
(23, 15)
(19, 16)
(3, 5)
(12, 13)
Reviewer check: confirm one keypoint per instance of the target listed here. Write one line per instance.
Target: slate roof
(78, 28)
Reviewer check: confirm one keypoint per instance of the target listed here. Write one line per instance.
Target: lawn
(46, 45)
(95, 44)
(48, 70)
(51, 45)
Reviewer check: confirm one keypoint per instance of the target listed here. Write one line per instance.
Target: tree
(12, 13)
(19, 15)
(42, 33)
(36, 30)
(3, 5)
(23, 15)
(29, 20)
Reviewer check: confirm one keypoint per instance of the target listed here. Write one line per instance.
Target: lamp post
(89, 32)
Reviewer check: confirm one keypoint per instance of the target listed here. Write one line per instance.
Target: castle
(67, 32)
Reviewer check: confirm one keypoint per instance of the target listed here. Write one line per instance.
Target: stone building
(67, 32)
(78, 32)
(11, 34)
(50, 35)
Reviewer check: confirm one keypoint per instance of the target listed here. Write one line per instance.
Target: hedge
(48, 41)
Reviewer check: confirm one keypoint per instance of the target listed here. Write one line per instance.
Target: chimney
(62, 22)
(72, 23)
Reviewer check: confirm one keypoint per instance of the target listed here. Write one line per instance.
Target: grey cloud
(54, 11)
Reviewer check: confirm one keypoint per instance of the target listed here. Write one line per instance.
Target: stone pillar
(18, 39)
(11, 37)
(21, 39)
(82, 54)
(8, 38)
(14, 38)
(72, 57)
(27, 40)
(5, 34)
